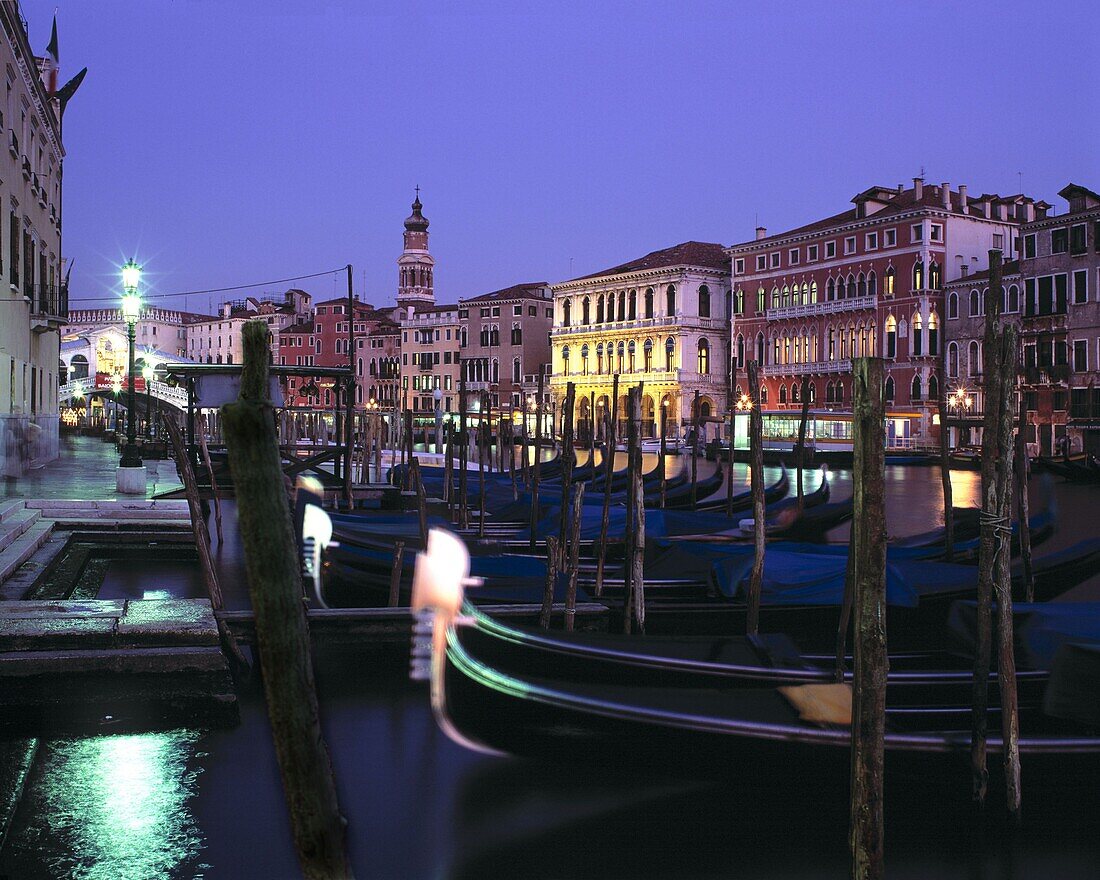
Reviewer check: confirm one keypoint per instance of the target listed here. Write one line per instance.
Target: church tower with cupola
(415, 285)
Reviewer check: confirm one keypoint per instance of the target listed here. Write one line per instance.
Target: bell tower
(415, 285)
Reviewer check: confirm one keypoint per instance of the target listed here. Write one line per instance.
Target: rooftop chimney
(761, 232)
(963, 203)
(1029, 211)
(986, 208)
(918, 188)
(945, 191)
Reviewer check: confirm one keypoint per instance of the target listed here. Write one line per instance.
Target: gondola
(746, 732)
(681, 497)
(1080, 470)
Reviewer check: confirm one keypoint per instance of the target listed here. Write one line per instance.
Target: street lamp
(437, 396)
(130, 477)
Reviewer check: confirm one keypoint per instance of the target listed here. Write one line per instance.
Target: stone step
(15, 525)
(7, 508)
(23, 547)
(97, 514)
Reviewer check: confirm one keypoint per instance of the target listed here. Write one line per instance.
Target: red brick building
(323, 342)
(866, 281)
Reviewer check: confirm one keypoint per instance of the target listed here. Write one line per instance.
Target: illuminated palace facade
(867, 281)
(662, 320)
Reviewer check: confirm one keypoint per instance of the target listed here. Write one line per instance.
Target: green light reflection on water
(117, 807)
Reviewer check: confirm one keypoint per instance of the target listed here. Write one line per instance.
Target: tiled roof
(1009, 267)
(688, 253)
(514, 292)
(899, 202)
(303, 327)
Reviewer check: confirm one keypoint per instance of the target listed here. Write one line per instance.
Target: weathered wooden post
(213, 480)
(636, 558)
(756, 476)
(664, 451)
(538, 460)
(282, 632)
(551, 581)
(512, 459)
(484, 448)
(566, 463)
(421, 501)
(801, 461)
(1022, 504)
(945, 461)
(732, 409)
(1002, 586)
(574, 556)
(609, 470)
(871, 660)
(463, 445)
(395, 573)
(592, 437)
(695, 450)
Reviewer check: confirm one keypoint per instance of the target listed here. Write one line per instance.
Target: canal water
(208, 804)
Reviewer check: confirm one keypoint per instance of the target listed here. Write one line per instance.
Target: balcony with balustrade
(823, 307)
(812, 368)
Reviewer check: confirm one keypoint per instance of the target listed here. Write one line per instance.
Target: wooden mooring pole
(732, 410)
(609, 470)
(866, 832)
(551, 581)
(573, 559)
(695, 450)
(566, 462)
(537, 463)
(756, 476)
(395, 573)
(1023, 515)
(282, 633)
(636, 556)
(945, 463)
(800, 461)
(484, 445)
(463, 446)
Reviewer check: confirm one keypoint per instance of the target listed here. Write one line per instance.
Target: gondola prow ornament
(440, 578)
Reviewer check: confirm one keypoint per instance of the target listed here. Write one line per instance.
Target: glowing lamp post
(130, 476)
(437, 397)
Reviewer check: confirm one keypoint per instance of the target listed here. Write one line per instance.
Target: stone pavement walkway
(85, 470)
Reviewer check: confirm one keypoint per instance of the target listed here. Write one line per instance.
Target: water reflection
(116, 807)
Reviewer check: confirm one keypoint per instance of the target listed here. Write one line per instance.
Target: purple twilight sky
(227, 143)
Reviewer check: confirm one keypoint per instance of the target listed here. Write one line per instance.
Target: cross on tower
(418, 191)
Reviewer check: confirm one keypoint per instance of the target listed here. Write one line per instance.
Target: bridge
(80, 389)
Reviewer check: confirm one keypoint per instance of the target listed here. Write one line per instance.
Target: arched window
(647, 355)
(974, 359)
(953, 305)
(915, 390)
(933, 333)
(599, 357)
(786, 349)
(622, 305)
(813, 291)
(975, 304)
(670, 300)
(704, 356)
(586, 317)
(704, 301)
(861, 285)
(851, 287)
(737, 392)
(649, 302)
(933, 275)
(775, 297)
(760, 348)
(794, 392)
(830, 393)
(953, 359)
(811, 390)
(740, 352)
(864, 342)
(763, 394)
(890, 388)
(566, 308)
(621, 352)
(872, 284)
(831, 336)
(599, 309)
(777, 350)
(830, 290)
(630, 350)
(729, 304)
(1013, 304)
(565, 359)
(888, 281)
(670, 351)
(891, 337)
(918, 275)
(786, 296)
(633, 315)
(584, 359)
(933, 388)
(917, 345)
